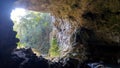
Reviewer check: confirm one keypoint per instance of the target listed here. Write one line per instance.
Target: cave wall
(82, 26)
(7, 35)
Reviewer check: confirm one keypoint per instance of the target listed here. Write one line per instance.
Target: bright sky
(17, 12)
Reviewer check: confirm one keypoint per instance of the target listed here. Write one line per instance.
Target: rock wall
(86, 25)
(83, 28)
(7, 35)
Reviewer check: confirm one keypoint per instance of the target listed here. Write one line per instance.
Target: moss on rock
(54, 48)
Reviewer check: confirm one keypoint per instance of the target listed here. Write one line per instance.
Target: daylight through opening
(33, 30)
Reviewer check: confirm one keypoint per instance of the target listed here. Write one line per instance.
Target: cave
(87, 33)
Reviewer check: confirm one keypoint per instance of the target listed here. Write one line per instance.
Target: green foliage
(33, 31)
(19, 45)
(54, 48)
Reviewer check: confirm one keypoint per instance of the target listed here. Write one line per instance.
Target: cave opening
(77, 35)
(33, 31)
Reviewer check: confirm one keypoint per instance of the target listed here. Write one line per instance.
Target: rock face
(25, 58)
(83, 28)
(36, 5)
(87, 31)
(7, 35)
(19, 57)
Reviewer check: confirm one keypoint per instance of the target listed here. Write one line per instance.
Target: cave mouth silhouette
(27, 25)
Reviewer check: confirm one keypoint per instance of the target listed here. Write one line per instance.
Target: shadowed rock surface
(7, 35)
(19, 56)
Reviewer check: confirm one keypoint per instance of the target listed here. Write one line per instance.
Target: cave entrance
(33, 29)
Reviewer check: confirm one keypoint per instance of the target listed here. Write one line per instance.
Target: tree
(33, 31)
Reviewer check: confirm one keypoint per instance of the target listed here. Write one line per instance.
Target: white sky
(17, 12)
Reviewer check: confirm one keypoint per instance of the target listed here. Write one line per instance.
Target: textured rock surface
(99, 18)
(36, 5)
(85, 29)
(18, 61)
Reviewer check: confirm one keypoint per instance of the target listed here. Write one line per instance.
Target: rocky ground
(25, 58)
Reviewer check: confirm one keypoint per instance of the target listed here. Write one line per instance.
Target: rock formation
(7, 35)
(86, 31)
(83, 28)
